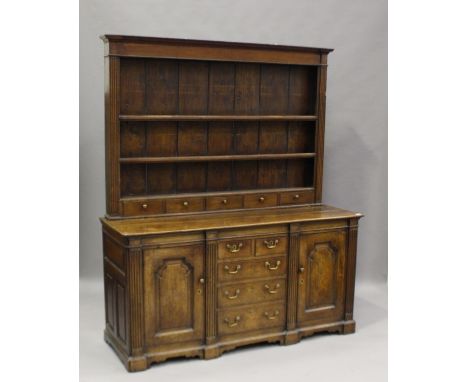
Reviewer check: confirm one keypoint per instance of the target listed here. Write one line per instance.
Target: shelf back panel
(163, 86)
(200, 177)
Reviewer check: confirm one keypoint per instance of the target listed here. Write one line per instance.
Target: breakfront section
(219, 286)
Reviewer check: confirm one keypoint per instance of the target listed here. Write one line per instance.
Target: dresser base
(207, 352)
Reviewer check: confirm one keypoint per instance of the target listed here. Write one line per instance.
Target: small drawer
(226, 202)
(271, 246)
(236, 320)
(237, 270)
(299, 197)
(142, 207)
(185, 205)
(232, 249)
(260, 200)
(251, 292)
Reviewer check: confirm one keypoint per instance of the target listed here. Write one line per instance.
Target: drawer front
(226, 202)
(260, 200)
(251, 292)
(238, 320)
(299, 197)
(271, 246)
(185, 205)
(142, 207)
(232, 249)
(237, 270)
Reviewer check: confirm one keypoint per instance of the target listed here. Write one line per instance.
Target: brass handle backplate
(228, 270)
(272, 291)
(274, 267)
(234, 296)
(234, 323)
(234, 248)
(273, 316)
(271, 243)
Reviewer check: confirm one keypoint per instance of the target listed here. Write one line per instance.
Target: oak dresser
(215, 235)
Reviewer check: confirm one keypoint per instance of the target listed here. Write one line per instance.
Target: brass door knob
(144, 206)
(185, 204)
(261, 199)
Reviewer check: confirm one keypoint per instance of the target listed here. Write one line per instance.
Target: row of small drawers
(213, 203)
(239, 248)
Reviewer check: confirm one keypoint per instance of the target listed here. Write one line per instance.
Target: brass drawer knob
(271, 243)
(224, 201)
(272, 267)
(297, 196)
(301, 270)
(185, 204)
(272, 316)
(144, 206)
(234, 248)
(261, 199)
(232, 272)
(202, 280)
(272, 291)
(234, 296)
(235, 322)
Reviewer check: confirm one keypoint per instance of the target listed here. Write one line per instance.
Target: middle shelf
(216, 158)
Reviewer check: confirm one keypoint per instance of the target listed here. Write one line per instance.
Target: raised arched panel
(321, 276)
(174, 296)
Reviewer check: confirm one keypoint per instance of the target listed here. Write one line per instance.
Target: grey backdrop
(355, 173)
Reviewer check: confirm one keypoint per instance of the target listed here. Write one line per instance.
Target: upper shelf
(205, 117)
(216, 158)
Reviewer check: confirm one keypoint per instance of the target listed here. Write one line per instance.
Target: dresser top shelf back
(198, 126)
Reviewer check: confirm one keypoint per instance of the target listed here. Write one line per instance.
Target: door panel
(174, 296)
(321, 276)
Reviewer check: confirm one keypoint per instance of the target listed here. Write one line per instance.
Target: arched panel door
(174, 294)
(321, 276)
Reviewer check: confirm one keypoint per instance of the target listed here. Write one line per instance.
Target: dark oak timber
(215, 236)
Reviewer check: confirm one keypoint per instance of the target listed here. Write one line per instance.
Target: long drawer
(242, 269)
(251, 292)
(236, 320)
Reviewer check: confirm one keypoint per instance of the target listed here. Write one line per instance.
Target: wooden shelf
(212, 158)
(148, 117)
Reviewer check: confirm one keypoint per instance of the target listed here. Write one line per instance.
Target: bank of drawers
(251, 290)
(153, 206)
